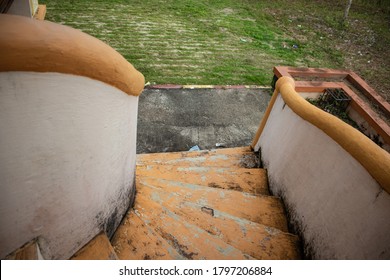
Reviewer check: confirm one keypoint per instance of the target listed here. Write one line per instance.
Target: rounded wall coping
(373, 158)
(41, 46)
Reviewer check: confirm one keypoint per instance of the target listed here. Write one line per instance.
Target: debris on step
(194, 148)
(208, 210)
(220, 145)
(226, 157)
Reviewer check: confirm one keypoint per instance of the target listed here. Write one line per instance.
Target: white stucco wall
(335, 204)
(67, 160)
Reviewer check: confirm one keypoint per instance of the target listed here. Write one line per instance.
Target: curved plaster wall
(338, 207)
(67, 160)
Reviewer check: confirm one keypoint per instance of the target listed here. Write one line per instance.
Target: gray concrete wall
(176, 119)
(334, 203)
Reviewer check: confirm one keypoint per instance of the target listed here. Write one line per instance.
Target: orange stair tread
(262, 209)
(252, 181)
(189, 240)
(256, 240)
(136, 241)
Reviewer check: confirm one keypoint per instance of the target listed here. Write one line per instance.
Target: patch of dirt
(227, 11)
(250, 161)
(364, 44)
(363, 52)
(182, 249)
(371, 64)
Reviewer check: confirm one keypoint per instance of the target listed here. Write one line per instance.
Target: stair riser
(245, 160)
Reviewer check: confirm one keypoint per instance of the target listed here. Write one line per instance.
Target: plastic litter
(220, 145)
(194, 148)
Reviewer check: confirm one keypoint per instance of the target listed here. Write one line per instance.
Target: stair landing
(204, 205)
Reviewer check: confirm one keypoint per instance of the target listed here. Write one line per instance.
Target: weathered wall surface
(337, 206)
(203, 117)
(21, 8)
(67, 160)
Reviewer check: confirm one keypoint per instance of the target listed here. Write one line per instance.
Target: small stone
(207, 210)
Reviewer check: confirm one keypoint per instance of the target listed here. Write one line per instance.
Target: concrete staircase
(203, 205)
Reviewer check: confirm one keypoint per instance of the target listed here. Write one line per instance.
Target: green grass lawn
(226, 41)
